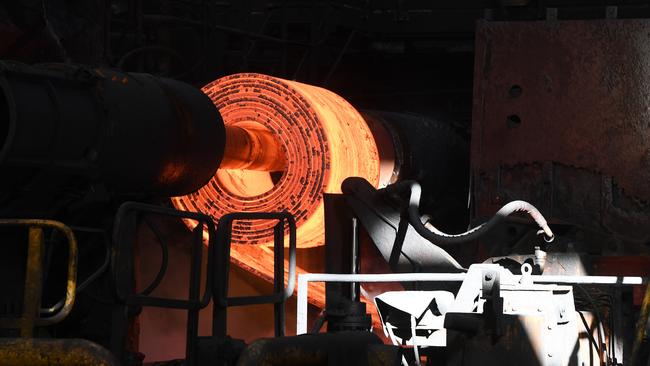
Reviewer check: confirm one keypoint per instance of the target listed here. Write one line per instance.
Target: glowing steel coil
(314, 136)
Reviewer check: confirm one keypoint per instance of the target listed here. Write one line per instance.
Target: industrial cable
(438, 237)
(589, 335)
(602, 300)
(599, 329)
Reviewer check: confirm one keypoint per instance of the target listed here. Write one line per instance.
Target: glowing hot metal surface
(322, 137)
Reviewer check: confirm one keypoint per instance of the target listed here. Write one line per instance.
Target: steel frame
(304, 279)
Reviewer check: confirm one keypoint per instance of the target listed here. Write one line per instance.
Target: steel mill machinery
(179, 187)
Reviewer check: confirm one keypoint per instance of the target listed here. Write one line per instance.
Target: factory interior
(311, 182)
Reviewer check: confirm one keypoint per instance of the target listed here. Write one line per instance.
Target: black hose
(591, 336)
(164, 261)
(440, 238)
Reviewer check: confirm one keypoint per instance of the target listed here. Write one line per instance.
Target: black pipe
(65, 128)
(429, 150)
(438, 237)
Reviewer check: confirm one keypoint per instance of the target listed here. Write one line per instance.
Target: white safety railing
(304, 279)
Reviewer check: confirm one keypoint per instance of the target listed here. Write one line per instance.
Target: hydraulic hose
(440, 238)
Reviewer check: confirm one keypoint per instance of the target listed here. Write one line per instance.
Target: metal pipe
(132, 133)
(438, 237)
(33, 281)
(252, 148)
(590, 280)
(354, 287)
(428, 149)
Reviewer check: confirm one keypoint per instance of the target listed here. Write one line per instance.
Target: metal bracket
(220, 277)
(491, 293)
(123, 270)
(123, 256)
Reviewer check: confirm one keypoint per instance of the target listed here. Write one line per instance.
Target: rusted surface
(37, 352)
(33, 279)
(583, 101)
(561, 111)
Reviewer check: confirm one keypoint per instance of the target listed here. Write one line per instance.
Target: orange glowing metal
(286, 144)
(252, 147)
(312, 135)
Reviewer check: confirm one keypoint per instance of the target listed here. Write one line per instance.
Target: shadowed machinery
(197, 182)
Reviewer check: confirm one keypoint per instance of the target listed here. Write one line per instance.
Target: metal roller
(287, 144)
(66, 128)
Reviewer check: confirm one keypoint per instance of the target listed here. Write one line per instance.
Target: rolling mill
(198, 182)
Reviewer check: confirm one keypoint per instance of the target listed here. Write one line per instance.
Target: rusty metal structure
(518, 147)
(352, 182)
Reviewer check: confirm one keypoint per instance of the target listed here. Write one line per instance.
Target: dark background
(396, 55)
(390, 55)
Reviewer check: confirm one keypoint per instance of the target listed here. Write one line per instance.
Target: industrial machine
(139, 214)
